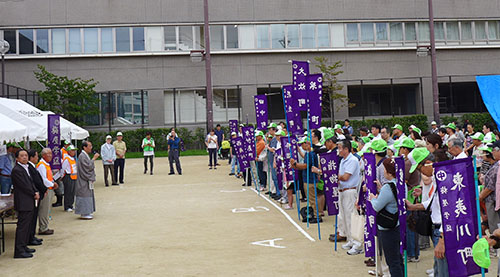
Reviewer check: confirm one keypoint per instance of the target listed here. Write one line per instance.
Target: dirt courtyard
(197, 224)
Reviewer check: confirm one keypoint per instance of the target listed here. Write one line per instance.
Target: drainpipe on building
(435, 88)
(208, 69)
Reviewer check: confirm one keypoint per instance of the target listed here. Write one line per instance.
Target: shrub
(418, 120)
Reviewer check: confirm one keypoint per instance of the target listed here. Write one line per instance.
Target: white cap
(233, 134)
(109, 137)
(119, 134)
(433, 123)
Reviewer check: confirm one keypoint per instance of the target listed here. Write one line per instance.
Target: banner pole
(314, 183)
(297, 201)
(406, 263)
(476, 185)
(336, 233)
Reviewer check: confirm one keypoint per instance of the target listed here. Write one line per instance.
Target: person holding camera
(173, 152)
(148, 146)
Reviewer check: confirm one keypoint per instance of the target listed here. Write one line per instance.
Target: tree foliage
(72, 98)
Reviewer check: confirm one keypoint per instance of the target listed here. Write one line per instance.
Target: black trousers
(301, 185)
(150, 162)
(390, 240)
(23, 231)
(119, 165)
(33, 225)
(262, 174)
(173, 157)
(212, 153)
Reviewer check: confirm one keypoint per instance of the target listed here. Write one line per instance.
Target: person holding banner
(234, 159)
(272, 147)
(488, 194)
(45, 171)
(261, 156)
(385, 203)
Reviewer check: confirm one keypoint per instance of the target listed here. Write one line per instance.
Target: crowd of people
(420, 150)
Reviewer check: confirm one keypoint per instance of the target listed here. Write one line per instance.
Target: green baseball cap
(486, 149)
(479, 136)
(398, 126)
(416, 129)
(416, 156)
(67, 142)
(366, 148)
(354, 144)
(371, 136)
(337, 126)
(71, 147)
(379, 145)
(259, 133)
(407, 143)
(328, 134)
(272, 125)
(302, 140)
(269, 136)
(481, 253)
(366, 139)
(11, 144)
(281, 133)
(451, 126)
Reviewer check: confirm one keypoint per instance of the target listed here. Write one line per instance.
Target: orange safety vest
(48, 169)
(72, 164)
(64, 152)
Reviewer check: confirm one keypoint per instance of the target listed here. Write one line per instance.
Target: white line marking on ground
(249, 210)
(241, 190)
(287, 216)
(268, 243)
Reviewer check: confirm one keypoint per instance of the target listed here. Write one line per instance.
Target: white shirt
(25, 166)
(379, 136)
(435, 208)
(212, 141)
(461, 156)
(66, 166)
(488, 137)
(43, 172)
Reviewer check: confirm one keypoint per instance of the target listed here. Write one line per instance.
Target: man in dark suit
(40, 187)
(24, 203)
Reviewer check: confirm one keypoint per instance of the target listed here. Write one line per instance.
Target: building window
(480, 30)
(10, 37)
(199, 35)
(138, 38)
(452, 31)
(307, 34)
(423, 31)
(75, 41)
(466, 30)
(493, 33)
(263, 37)
(439, 31)
(352, 32)
(154, 39)
(186, 40)
(274, 102)
(247, 36)
(367, 32)
(323, 35)
(90, 41)
(381, 31)
(376, 100)
(231, 36)
(170, 34)
(26, 41)
(293, 36)
(123, 39)
(217, 37)
(59, 41)
(396, 29)
(42, 41)
(278, 39)
(410, 31)
(107, 40)
(460, 97)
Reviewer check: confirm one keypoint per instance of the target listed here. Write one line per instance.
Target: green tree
(331, 87)
(72, 98)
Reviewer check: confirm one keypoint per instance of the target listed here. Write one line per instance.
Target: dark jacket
(37, 180)
(24, 190)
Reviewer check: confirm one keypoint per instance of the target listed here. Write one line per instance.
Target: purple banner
(299, 72)
(233, 126)
(278, 155)
(329, 163)
(286, 147)
(261, 111)
(401, 187)
(314, 84)
(54, 140)
(292, 114)
(371, 187)
(249, 143)
(457, 198)
(240, 153)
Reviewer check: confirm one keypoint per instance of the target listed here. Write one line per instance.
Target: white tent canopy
(11, 131)
(31, 117)
(76, 132)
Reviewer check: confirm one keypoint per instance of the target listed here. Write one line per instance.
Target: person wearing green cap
(397, 132)
(339, 133)
(488, 132)
(477, 142)
(272, 147)
(379, 147)
(70, 172)
(421, 161)
(451, 130)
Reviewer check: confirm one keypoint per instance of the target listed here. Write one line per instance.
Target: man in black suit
(24, 203)
(40, 187)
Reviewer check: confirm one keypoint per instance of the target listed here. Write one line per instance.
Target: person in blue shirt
(389, 238)
(6, 162)
(348, 127)
(173, 152)
(220, 137)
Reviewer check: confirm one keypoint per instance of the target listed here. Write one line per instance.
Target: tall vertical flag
(457, 198)
(239, 148)
(371, 187)
(287, 145)
(292, 114)
(401, 188)
(249, 143)
(233, 126)
(314, 83)
(54, 140)
(300, 70)
(329, 163)
(261, 111)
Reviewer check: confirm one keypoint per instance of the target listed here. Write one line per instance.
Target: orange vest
(64, 153)
(48, 170)
(72, 164)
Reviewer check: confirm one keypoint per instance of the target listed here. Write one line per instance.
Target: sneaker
(413, 259)
(262, 188)
(210, 168)
(283, 201)
(69, 210)
(231, 174)
(355, 250)
(348, 245)
(430, 271)
(288, 207)
(215, 167)
(86, 217)
(151, 173)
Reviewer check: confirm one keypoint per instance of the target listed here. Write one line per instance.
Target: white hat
(433, 123)
(119, 134)
(233, 134)
(109, 137)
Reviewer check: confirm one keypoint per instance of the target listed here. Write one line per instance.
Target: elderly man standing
(121, 149)
(108, 153)
(45, 171)
(85, 202)
(456, 148)
(70, 175)
(24, 203)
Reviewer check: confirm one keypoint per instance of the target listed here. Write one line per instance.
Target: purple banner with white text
(300, 70)
(371, 215)
(314, 84)
(233, 126)
(261, 111)
(249, 142)
(54, 140)
(240, 153)
(401, 188)
(329, 163)
(292, 114)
